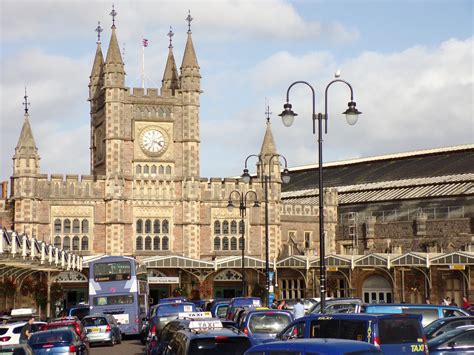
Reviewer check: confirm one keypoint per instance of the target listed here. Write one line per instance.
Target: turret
(267, 151)
(190, 76)
(114, 71)
(170, 82)
(96, 77)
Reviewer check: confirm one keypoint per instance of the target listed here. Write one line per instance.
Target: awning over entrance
(373, 260)
(294, 262)
(411, 259)
(171, 262)
(455, 258)
(236, 262)
(333, 261)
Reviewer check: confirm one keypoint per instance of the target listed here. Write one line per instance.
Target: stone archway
(377, 289)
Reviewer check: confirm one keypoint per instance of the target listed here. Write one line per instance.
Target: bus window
(113, 271)
(113, 300)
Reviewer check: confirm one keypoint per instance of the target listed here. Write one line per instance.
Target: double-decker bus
(118, 286)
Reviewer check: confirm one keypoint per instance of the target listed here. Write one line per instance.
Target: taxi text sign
(194, 315)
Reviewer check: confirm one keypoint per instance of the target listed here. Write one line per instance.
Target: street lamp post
(242, 209)
(285, 177)
(288, 117)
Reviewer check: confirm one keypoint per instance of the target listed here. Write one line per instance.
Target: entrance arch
(227, 284)
(377, 289)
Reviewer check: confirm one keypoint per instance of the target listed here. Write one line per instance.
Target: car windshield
(247, 301)
(222, 310)
(443, 337)
(94, 321)
(51, 337)
(174, 308)
(219, 345)
(268, 322)
(351, 329)
(396, 331)
(433, 326)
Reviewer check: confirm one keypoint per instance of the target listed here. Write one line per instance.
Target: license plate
(94, 330)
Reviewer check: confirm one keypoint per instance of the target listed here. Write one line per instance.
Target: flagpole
(143, 65)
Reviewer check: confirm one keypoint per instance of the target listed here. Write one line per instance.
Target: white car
(10, 332)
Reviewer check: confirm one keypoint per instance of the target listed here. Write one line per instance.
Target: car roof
(193, 333)
(363, 316)
(323, 344)
(64, 322)
(411, 305)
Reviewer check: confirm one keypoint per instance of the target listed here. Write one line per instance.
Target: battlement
(140, 92)
(68, 186)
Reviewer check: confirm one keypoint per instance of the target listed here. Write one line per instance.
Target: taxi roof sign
(194, 315)
(19, 312)
(205, 324)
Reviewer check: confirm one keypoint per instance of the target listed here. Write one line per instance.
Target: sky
(410, 63)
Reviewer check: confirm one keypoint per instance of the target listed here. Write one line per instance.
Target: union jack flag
(145, 42)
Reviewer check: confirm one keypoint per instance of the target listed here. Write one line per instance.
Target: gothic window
(66, 243)
(146, 169)
(161, 169)
(76, 226)
(75, 243)
(138, 169)
(241, 227)
(241, 243)
(87, 190)
(165, 226)
(217, 227)
(225, 227)
(148, 243)
(168, 170)
(57, 226)
(139, 243)
(85, 226)
(156, 243)
(225, 243)
(56, 189)
(57, 242)
(139, 226)
(233, 227)
(307, 240)
(217, 243)
(147, 226)
(233, 243)
(153, 169)
(85, 243)
(165, 243)
(67, 226)
(156, 226)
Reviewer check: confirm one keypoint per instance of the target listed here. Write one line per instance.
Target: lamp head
(287, 115)
(352, 113)
(246, 176)
(230, 206)
(256, 204)
(285, 176)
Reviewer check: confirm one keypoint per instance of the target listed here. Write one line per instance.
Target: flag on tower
(145, 42)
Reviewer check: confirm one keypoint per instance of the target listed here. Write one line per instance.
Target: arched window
(148, 243)
(165, 226)
(241, 243)
(241, 227)
(165, 242)
(161, 169)
(168, 170)
(56, 189)
(138, 169)
(153, 169)
(139, 226)
(85, 243)
(156, 243)
(156, 226)
(233, 227)
(217, 243)
(71, 188)
(87, 190)
(57, 242)
(76, 226)
(146, 169)
(233, 243)
(67, 226)
(85, 226)
(57, 226)
(225, 243)
(139, 243)
(66, 243)
(217, 228)
(148, 226)
(225, 227)
(75, 243)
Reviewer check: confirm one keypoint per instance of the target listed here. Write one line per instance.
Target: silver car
(102, 328)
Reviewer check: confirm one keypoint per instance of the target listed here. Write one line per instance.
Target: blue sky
(410, 63)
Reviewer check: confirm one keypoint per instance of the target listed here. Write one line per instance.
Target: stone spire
(95, 82)
(170, 81)
(190, 76)
(189, 57)
(267, 151)
(268, 146)
(114, 67)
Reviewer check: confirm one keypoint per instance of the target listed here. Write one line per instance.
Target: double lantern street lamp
(288, 117)
(285, 178)
(242, 197)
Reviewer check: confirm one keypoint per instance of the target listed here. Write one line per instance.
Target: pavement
(129, 346)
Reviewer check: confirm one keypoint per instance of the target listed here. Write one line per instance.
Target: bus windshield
(113, 300)
(112, 271)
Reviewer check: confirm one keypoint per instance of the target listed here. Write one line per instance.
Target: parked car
(10, 332)
(263, 325)
(392, 333)
(161, 314)
(79, 311)
(219, 308)
(102, 328)
(459, 341)
(68, 322)
(173, 300)
(430, 312)
(241, 302)
(338, 305)
(315, 346)
(57, 341)
(443, 325)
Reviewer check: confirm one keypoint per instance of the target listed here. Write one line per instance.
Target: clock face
(153, 141)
